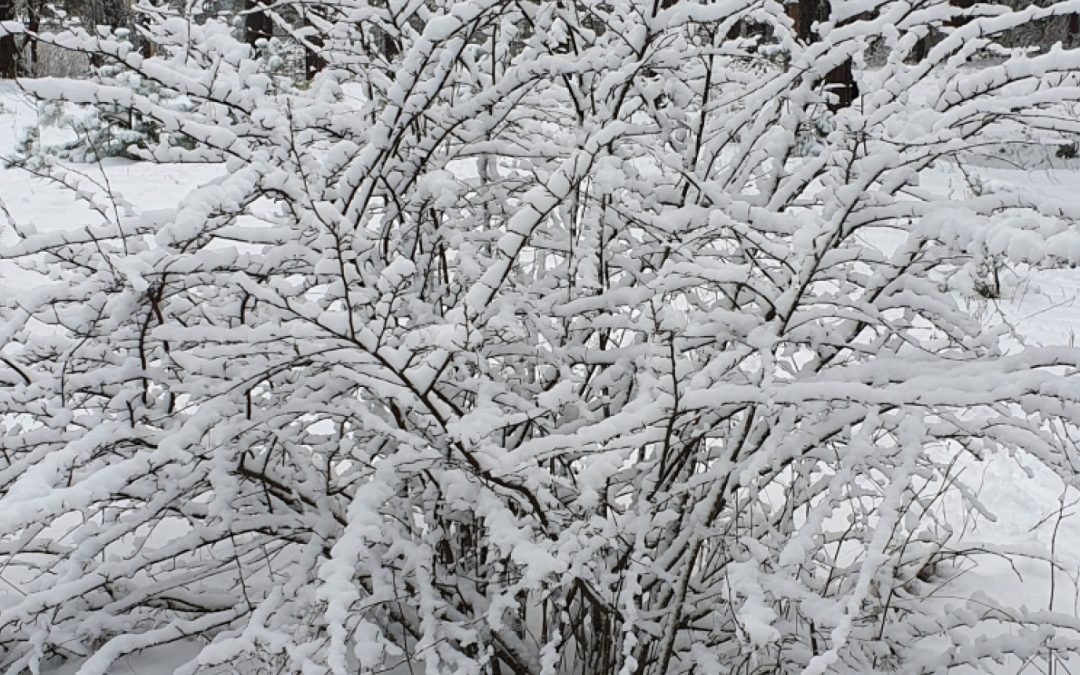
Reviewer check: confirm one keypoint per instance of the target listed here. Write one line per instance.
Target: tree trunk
(33, 24)
(108, 14)
(9, 49)
(840, 82)
(313, 60)
(921, 49)
(257, 23)
(806, 13)
(958, 21)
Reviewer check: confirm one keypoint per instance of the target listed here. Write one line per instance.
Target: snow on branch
(534, 337)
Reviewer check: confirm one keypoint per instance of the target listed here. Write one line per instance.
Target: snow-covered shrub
(283, 59)
(126, 122)
(525, 341)
(111, 128)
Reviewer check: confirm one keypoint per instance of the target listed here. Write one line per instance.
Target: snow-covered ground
(1030, 506)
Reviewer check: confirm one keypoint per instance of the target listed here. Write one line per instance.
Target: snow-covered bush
(524, 340)
(109, 129)
(126, 121)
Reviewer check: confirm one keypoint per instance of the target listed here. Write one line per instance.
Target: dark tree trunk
(111, 14)
(33, 24)
(9, 48)
(840, 82)
(108, 14)
(921, 49)
(313, 60)
(806, 12)
(257, 23)
(960, 4)
(313, 63)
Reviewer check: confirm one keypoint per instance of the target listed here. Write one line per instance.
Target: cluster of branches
(535, 337)
(96, 16)
(20, 59)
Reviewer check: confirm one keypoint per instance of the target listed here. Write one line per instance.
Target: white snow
(1031, 507)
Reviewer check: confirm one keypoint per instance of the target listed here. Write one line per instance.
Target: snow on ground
(1031, 509)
